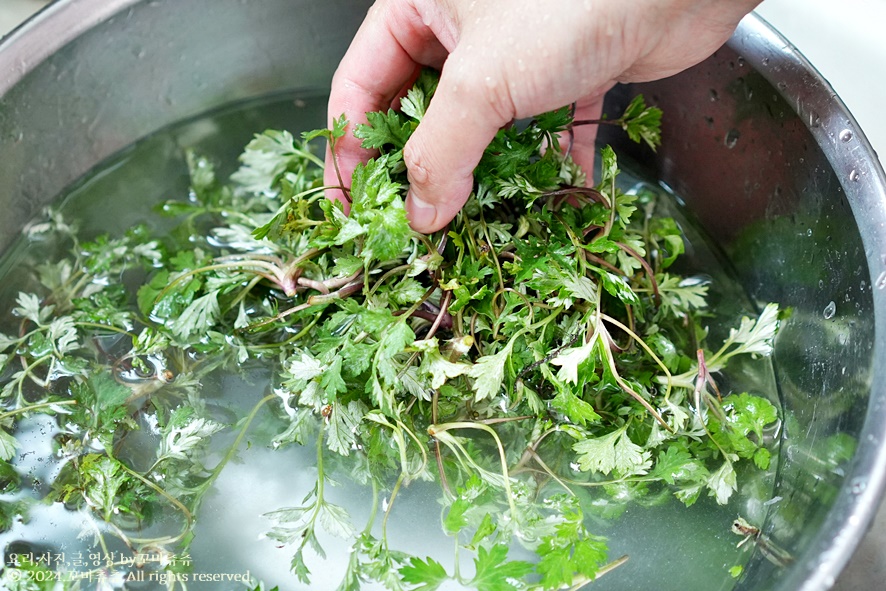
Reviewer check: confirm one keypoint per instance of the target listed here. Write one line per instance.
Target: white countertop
(844, 41)
(13, 12)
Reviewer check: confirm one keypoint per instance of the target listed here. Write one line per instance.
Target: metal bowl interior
(776, 169)
(765, 155)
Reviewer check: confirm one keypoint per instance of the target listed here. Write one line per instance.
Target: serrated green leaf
(384, 129)
(722, 483)
(642, 123)
(755, 336)
(576, 410)
(489, 372)
(341, 430)
(8, 445)
(426, 575)
(335, 521)
(612, 452)
(197, 317)
(494, 571)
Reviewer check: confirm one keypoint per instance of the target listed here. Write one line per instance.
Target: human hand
(502, 60)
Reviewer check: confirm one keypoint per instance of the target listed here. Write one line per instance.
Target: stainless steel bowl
(756, 142)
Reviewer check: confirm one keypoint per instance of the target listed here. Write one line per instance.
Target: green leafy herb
(538, 354)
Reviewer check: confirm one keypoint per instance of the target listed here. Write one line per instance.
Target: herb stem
(108, 327)
(603, 334)
(646, 348)
(550, 472)
(582, 580)
(388, 274)
(189, 517)
(390, 505)
(492, 252)
(444, 313)
(437, 430)
(33, 407)
(643, 263)
(216, 471)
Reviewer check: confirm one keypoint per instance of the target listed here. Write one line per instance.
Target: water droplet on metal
(881, 280)
(830, 310)
(714, 95)
(731, 138)
(858, 485)
(853, 175)
(845, 135)
(765, 61)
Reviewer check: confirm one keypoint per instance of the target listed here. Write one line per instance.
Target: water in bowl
(669, 546)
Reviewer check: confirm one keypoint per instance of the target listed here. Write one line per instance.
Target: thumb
(445, 148)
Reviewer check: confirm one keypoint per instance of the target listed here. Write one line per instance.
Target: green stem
(274, 272)
(388, 274)
(613, 209)
(107, 327)
(394, 491)
(492, 253)
(374, 510)
(32, 407)
(421, 446)
(435, 430)
(321, 483)
(233, 449)
(27, 372)
(189, 517)
(244, 292)
(299, 335)
(579, 580)
(602, 334)
(646, 348)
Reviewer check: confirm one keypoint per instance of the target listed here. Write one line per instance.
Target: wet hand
(502, 60)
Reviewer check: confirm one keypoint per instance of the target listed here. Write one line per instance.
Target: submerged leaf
(612, 452)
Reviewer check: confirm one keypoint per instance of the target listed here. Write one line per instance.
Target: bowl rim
(863, 181)
(46, 31)
(834, 129)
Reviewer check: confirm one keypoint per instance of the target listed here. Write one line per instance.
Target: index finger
(390, 46)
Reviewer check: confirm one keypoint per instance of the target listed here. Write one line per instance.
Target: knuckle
(486, 90)
(416, 162)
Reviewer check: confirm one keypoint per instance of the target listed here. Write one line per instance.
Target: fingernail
(421, 214)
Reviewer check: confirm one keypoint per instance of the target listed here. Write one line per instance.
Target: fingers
(390, 46)
(466, 113)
